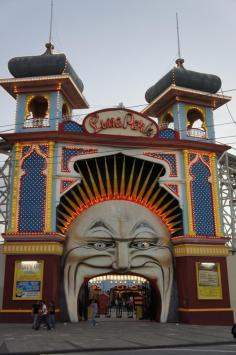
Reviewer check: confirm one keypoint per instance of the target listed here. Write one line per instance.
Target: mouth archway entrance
(120, 296)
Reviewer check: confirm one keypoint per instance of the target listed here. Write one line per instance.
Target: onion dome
(45, 64)
(180, 76)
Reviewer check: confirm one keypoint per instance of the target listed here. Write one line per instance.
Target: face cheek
(90, 256)
(154, 255)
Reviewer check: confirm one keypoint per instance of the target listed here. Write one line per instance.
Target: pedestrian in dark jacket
(51, 314)
(35, 314)
(43, 317)
(233, 331)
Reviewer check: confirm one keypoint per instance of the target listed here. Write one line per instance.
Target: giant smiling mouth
(76, 272)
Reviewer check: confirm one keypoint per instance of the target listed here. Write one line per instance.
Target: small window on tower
(66, 114)
(167, 121)
(196, 125)
(37, 111)
(38, 107)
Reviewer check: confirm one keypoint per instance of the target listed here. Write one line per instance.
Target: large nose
(122, 257)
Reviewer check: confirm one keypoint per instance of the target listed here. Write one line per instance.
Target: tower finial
(179, 61)
(49, 45)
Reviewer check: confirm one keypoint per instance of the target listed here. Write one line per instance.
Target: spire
(51, 17)
(179, 61)
(49, 46)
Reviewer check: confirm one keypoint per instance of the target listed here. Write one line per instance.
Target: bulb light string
(85, 114)
(123, 150)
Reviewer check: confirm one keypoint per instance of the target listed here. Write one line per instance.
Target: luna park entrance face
(118, 297)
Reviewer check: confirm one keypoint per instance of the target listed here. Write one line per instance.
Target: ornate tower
(184, 101)
(46, 90)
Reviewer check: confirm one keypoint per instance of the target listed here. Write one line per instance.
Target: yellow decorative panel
(48, 211)
(15, 190)
(200, 250)
(33, 248)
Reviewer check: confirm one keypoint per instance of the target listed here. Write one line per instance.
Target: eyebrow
(142, 224)
(101, 224)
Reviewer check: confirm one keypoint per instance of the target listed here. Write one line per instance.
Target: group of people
(43, 314)
(127, 305)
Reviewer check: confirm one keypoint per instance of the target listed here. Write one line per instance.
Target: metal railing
(36, 122)
(196, 133)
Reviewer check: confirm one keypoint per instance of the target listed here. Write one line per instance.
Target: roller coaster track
(227, 189)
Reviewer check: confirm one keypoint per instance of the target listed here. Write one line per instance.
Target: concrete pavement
(107, 335)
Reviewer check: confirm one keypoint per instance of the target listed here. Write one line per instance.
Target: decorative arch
(66, 111)
(32, 200)
(167, 120)
(37, 106)
(196, 118)
(202, 199)
(119, 177)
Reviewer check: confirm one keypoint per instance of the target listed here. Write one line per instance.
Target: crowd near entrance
(118, 297)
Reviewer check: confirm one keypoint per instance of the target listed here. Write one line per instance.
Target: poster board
(28, 280)
(209, 285)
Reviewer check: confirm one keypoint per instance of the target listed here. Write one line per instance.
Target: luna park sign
(121, 122)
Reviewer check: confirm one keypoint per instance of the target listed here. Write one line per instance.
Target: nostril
(121, 268)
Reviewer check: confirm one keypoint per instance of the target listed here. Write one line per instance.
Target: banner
(28, 280)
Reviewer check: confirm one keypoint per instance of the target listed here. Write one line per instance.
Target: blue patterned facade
(202, 199)
(32, 194)
(66, 184)
(44, 148)
(68, 153)
(26, 150)
(169, 158)
(71, 126)
(173, 188)
(167, 134)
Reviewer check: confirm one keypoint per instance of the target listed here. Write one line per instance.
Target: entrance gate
(118, 297)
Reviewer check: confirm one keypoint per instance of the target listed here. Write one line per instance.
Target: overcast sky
(119, 48)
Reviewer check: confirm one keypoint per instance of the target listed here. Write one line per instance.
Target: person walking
(94, 306)
(233, 330)
(44, 317)
(51, 315)
(35, 314)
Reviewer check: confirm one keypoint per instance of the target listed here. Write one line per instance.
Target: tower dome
(182, 77)
(45, 64)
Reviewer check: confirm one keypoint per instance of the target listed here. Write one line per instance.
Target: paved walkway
(108, 334)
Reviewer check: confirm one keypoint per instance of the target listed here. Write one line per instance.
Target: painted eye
(142, 244)
(101, 245)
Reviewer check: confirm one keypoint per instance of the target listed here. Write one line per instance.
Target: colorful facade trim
(201, 194)
(48, 209)
(15, 195)
(188, 194)
(173, 188)
(66, 184)
(169, 158)
(215, 194)
(70, 152)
